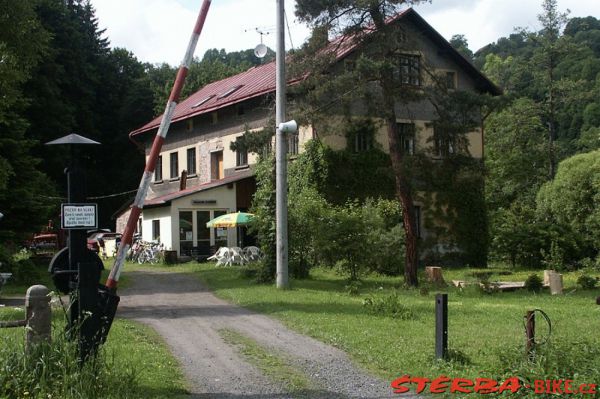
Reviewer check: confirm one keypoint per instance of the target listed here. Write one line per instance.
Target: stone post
(38, 315)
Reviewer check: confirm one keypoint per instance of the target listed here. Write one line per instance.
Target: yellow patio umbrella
(231, 220)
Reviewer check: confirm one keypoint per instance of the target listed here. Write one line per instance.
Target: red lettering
(539, 386)
(568, 386)
(398, 384)
(512, 384)
(439, 384)
(461, 385)
(592, 390)
(556, 386)
(421, 383)
(485, 386)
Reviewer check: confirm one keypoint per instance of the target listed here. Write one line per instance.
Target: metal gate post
(441, 326)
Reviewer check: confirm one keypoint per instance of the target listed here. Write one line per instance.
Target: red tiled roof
(260, 80)
(165, 199)
(254, 82)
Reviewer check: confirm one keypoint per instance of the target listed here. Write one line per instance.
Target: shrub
(534, 283)
(388, 305)
(587, 282)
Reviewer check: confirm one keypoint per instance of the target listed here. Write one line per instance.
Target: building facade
(199, 176)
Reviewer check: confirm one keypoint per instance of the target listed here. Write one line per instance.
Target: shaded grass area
(134, 363)
(486, 333)
(272, 365)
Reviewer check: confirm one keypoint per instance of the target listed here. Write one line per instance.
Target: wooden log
(556, 283)
(434, 275)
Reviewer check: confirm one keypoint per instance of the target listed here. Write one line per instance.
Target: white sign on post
(79, 216)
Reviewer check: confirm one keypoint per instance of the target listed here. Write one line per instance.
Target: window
(443, 144)
(362, 142)
(229, 91)
(450, 79)
(241, 157)
(409, 70)
(293, 144)
(190, 124)
(156, 230)
(174, 163)
(191, 161)
(158, 176)
(186, 232)
(215, 118)
(406, 133)
(350, 65)
(203, 101)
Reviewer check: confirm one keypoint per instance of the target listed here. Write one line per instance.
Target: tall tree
(22, 186)
(377, 65)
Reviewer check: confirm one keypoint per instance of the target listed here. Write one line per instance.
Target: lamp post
(75, 269)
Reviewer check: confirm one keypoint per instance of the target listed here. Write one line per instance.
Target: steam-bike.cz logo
(443, 384)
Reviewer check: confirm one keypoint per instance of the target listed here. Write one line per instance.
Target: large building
(199, 177)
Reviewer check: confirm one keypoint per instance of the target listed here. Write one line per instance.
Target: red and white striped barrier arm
(159, 139)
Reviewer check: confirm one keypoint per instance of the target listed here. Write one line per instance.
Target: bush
(534, 283)
(587, 282)
(388, 305)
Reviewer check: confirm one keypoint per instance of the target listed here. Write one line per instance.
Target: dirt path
(189, 317)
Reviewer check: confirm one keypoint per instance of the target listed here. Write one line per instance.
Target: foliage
(572, 199)
(23, 44)
(587, 282)
(391, 305)
(263, 225)
(534, 283)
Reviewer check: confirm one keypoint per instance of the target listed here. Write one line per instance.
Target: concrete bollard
(38, 315)
(556, 283)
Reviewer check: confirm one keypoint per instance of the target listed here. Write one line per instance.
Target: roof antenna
(260, 51)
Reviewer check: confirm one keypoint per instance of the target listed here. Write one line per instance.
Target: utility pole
(281, 212)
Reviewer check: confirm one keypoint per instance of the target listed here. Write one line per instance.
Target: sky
(158, 31)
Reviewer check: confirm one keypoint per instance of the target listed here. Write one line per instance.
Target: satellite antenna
(260, 51)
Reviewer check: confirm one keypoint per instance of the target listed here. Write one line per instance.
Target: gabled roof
(167, 198)
(260, 80)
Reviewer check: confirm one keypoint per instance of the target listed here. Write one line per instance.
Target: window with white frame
(241, 157)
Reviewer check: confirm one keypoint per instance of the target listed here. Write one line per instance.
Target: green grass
(275, 366)
(135, 363)
(486, 332)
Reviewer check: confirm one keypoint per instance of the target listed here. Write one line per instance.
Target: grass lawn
(486, 333)
(136, 362)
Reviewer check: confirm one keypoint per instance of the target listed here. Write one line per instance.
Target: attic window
(230, 91)
(203, 101)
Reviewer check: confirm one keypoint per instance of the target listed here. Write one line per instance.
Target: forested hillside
(551, 112)
(60, 76)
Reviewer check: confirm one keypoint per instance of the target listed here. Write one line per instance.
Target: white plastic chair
(223, 256)
(237, 255)
(252, 254)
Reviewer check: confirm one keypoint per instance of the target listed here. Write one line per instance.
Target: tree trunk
(404, 194)
(402, 184)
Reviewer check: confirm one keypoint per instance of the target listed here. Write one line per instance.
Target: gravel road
(188, 316)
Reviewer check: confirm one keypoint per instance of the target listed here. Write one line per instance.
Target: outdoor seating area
(229, 256)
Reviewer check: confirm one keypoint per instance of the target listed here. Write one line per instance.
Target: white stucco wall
(164, 215)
